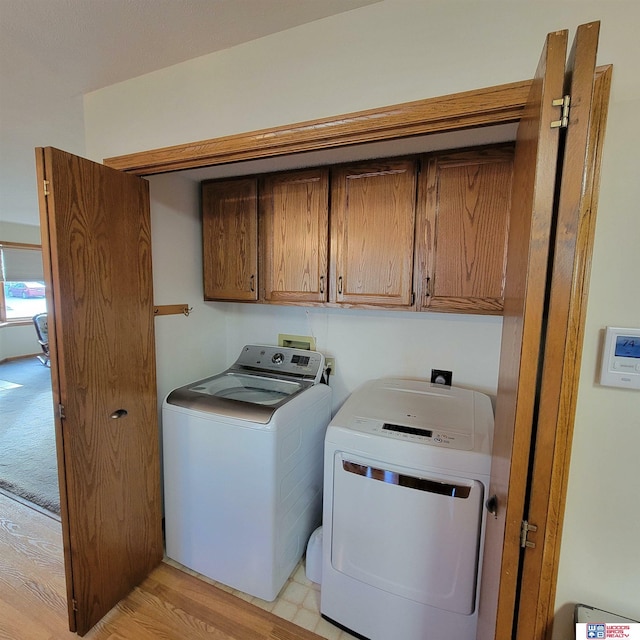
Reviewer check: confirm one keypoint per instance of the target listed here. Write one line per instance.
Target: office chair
(40, 323)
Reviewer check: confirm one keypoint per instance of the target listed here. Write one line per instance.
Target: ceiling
(54, 51)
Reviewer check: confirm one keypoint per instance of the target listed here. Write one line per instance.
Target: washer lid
(260, 381)
(246, 396)
(248, 388)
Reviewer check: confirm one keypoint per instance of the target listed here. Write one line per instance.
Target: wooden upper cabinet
(230, 239)
(294, 222)
(372, 233)
(433, 239)
(462, 228)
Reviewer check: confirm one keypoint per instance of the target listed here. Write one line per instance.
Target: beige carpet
(28, 466)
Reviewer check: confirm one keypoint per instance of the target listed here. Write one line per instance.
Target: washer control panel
(621, 358)
(298, 363)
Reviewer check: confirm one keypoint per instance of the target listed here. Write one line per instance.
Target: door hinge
(525, 527)
(564, 116)
(61, 413)
(74, 604)
(46, 187)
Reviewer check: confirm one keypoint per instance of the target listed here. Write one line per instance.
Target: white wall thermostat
(621, 358)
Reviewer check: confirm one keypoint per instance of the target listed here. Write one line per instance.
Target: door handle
(120, 413)
(252, 283)
(340, 285)
(321, 284)
(492, 505)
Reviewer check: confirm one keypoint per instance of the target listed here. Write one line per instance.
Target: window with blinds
(22, 295)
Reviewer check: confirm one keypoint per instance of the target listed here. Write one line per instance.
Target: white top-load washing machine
(242, 462)
(407, 466)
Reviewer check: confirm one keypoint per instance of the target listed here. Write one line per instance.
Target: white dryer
(407, 466)
(242, 462)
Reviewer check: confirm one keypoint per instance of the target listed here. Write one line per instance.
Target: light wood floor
(168, 605)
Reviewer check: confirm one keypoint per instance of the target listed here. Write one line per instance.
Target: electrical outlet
(330, 363)
(441, 376)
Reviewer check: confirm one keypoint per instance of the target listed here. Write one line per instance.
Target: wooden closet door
(372, 232)
(294, 228)
(230, 239)
(96, 246)
(534, 181)
(542, 334)
(568, 286)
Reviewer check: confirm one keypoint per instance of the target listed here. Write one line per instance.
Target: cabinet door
(372, 232)
(230, 239)
(462, 229)
(294, 219)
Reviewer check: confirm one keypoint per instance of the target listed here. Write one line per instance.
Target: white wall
(188, 347)
(600, 563)
(373, 344)
(400, 50)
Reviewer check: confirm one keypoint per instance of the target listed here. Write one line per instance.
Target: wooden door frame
(501, 104)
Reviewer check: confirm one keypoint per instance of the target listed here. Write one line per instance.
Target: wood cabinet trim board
(499, 104)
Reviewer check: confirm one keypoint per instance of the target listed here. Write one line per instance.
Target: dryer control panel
(413, 433)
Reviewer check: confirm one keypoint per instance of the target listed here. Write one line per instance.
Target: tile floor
(298, 602)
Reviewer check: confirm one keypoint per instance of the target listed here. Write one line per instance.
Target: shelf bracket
(172, 309)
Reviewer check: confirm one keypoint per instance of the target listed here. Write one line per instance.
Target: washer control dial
(278, 358)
